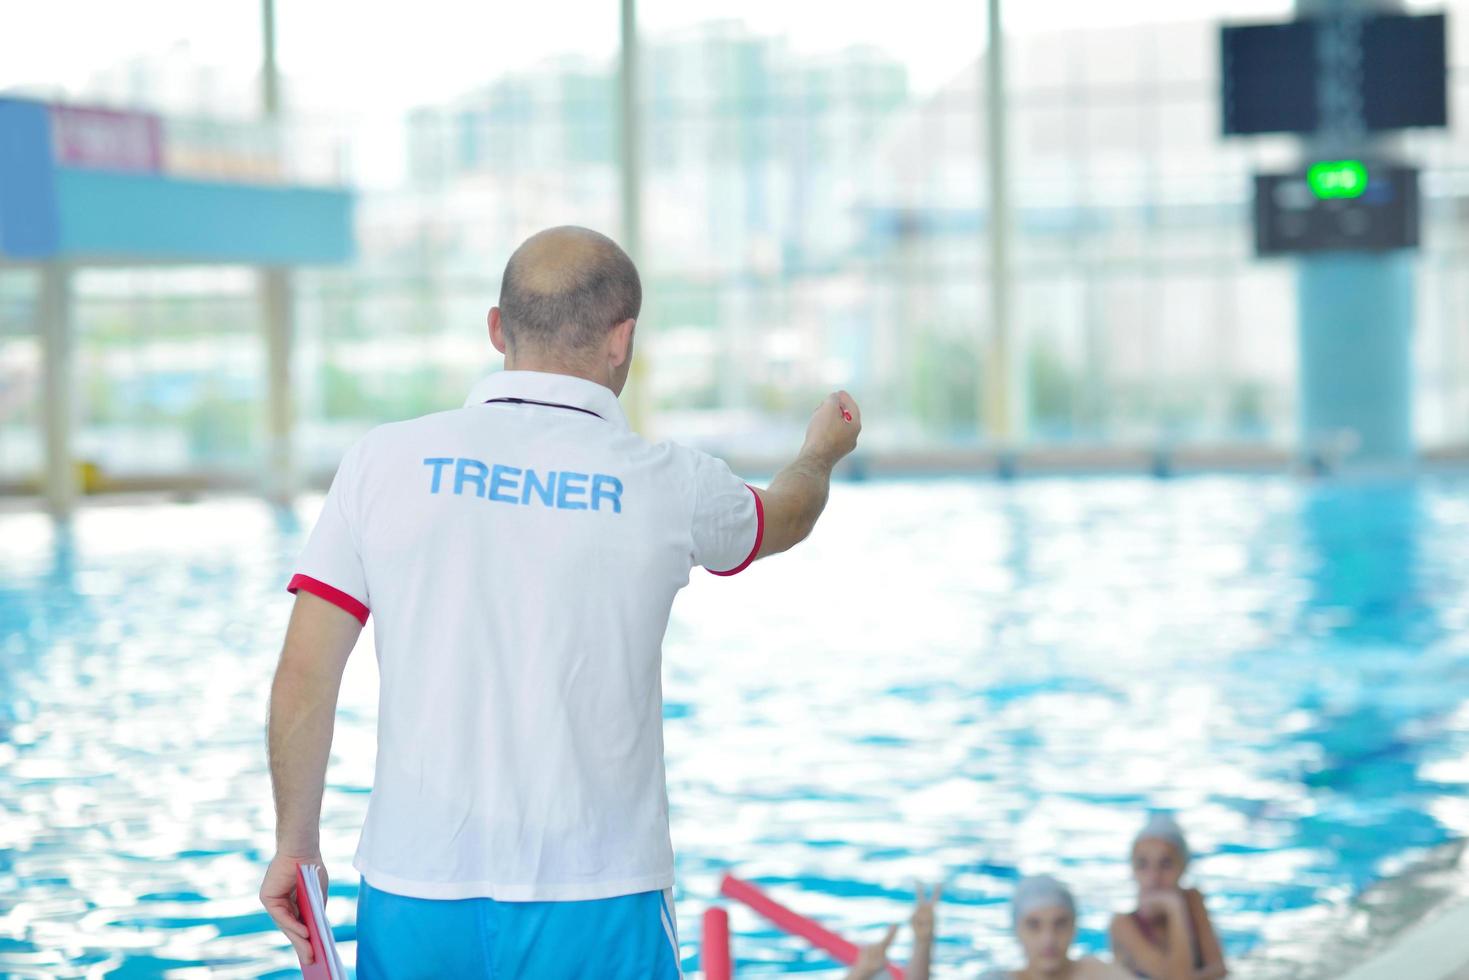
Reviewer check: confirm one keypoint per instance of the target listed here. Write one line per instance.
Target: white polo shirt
(521, 560)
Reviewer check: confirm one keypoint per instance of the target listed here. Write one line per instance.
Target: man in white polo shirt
(521, 555)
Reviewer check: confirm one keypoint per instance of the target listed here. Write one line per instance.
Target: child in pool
(1045, 924)
(1169, 935)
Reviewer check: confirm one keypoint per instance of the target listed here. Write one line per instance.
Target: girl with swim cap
(1045, 924)
(1169, 934)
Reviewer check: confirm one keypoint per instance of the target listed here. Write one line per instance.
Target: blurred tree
(946, 374)
(1055, 393)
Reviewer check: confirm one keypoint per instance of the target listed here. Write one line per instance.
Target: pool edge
(1437, 948)
(1414, 920)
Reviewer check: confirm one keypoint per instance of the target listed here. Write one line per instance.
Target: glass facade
(814, 215)
(21, 450)
(169, 371)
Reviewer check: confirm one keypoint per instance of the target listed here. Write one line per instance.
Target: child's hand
(873, 959)
(1163, 901)
(923, 915)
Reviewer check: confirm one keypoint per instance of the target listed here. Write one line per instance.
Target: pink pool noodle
(714, 956)
(797, 925)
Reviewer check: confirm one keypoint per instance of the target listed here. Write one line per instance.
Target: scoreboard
(1337, 205)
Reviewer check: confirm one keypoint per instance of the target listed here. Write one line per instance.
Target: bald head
(564, 288)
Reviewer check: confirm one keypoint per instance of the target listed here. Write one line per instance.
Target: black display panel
(1269, 73)
(1404, 72)
(1292, 216)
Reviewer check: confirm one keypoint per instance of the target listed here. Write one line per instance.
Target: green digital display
(1337, 178)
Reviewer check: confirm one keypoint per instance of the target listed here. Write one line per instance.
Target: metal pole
(60, 481)
(629, 117)
(270, 82)
(998, 405)
(276, 300)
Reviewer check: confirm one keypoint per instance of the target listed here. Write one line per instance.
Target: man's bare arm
(303, 709)
(796, 497)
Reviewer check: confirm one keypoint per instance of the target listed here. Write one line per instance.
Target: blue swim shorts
(630, 937)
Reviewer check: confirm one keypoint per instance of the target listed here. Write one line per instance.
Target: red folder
(324, 965)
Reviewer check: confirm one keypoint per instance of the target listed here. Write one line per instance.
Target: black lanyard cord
(532, 401)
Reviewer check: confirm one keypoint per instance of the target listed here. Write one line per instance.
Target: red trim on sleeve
(759, 536)
(335, 596)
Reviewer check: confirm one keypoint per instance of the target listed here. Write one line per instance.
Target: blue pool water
(950, 678)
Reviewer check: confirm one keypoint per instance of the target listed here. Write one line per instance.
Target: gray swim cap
(1038, 892)
(1162, 826)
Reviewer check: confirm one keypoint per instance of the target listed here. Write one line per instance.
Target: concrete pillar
(1000, 408)
(59, 481)
(1356, 309)
(1356, 356)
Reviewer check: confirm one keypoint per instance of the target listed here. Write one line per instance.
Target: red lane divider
(714, 958)
(794, 923)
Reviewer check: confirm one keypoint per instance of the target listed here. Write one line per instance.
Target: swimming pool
(951, 677)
